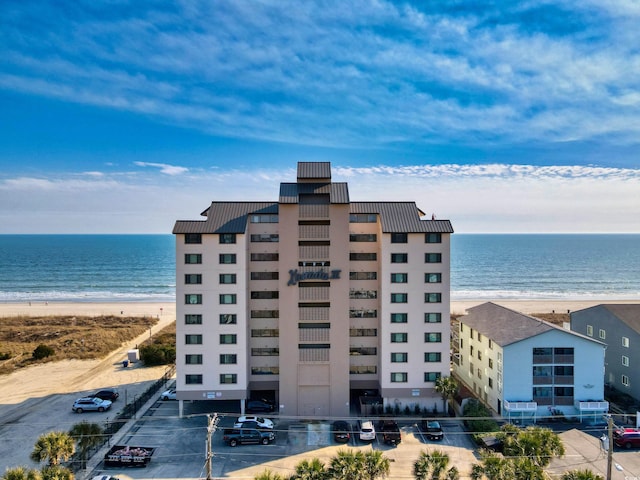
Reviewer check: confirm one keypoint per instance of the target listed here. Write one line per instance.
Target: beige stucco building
(311, 300)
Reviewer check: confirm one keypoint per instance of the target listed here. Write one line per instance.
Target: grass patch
(70, 337)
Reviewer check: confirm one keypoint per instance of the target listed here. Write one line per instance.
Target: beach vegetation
(43, 351)
(156, 354)
(21, 473)
(70, 337)
(87, 436)
(478, 419)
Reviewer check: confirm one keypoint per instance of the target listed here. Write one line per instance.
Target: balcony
(593, 406)
(313, 211)
(313, 334)
(313, 294)
(520, 406)
(313, 232)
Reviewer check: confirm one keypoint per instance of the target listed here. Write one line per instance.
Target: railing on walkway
(113, 426)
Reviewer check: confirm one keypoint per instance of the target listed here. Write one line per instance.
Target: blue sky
(123, 116)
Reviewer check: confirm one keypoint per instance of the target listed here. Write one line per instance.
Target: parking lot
(180, 445)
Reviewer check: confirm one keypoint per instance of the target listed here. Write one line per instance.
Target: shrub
(158, 354)
(478, 417)
(43, 351)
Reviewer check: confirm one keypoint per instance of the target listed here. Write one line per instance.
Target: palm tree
(53, 447)
(581, 475)
(452, 474)
(86, 436)
(347, 465)
(433, 465)
(376, 464)
(537, 443)
(21, 473)
(448, 388)
(268, 475)
(310, 470)
(57, 472)
(422, 466)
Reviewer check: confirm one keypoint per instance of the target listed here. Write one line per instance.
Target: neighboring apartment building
(312, 299)
(619, 327)
(524, 368)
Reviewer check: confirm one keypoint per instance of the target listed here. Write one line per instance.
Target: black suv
(341, 431)
(234, 436)
(107, 394)
(259, 406)
(432, 429)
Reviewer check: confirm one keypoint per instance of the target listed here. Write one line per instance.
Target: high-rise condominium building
(312, 300)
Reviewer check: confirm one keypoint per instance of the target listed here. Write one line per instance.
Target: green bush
(478, 417)
(158, 354)
(43, 351)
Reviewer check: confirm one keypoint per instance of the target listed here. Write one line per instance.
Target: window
(602, 334)
(625, 380)
(193, 339)
(625, 361)
(265, 237)
(264, 276)
(433, 337)
(431, 357)
(363, 369)
(563, 391)
(363, 218)
(265, 370)
(265, 295)
(479, 337)
(399, 277)
(363, 351)
(399, 338)
(363, 275)
(490, 382)
(433, 278)
(491, 363)
(433, 238)
(432, 258)
(191, 238)
(399, 317)
(227, 299)
(227, 278)
(433, 317)
(362, 237)
(431, 376)
(265, 352)
(362, 256)
(264, 257)
(265, 313)
(433, 298)
(193, 319)
(399, 297)
(362, 313)
(227, 258)
(228, 339)
(192, 258)
(355, 294)
(194, 359)
(399, 257)
(265, 332)
(228, 319)
(228, 378)
(266, 218)
(193, 299)
(228, 359)
(479, 373)
(590, 330)
(490, 344)
(193, 379)
(363, 332)
(399, 238)
(399, 357)
(227, 238)
(625, 342)
(192, 279)
(471, 350)
(399, 377)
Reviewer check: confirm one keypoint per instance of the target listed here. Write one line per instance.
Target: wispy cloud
(164, 168)
(341, 73)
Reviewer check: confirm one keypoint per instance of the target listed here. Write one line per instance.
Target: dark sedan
(110, 394)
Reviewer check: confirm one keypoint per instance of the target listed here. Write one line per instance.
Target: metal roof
(402, 217)
(290, 192)
(505, 326)
(627, 313)
(314, 170)
(225, 217)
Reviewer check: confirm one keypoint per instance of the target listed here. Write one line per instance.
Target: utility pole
(212, 422)
(610, 449)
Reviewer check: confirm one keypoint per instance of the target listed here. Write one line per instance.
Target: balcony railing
(313, 334)
(313, 232)
(600, 406)
(313, 211)
(520, 406)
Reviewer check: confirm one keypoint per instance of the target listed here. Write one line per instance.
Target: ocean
(119, 268)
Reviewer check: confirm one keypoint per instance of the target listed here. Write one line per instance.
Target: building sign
(295, 276)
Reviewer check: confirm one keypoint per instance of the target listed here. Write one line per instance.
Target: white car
(366, 430)
(168, 395)
(260, 422)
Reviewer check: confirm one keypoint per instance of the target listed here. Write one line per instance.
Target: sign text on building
(295, 276)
